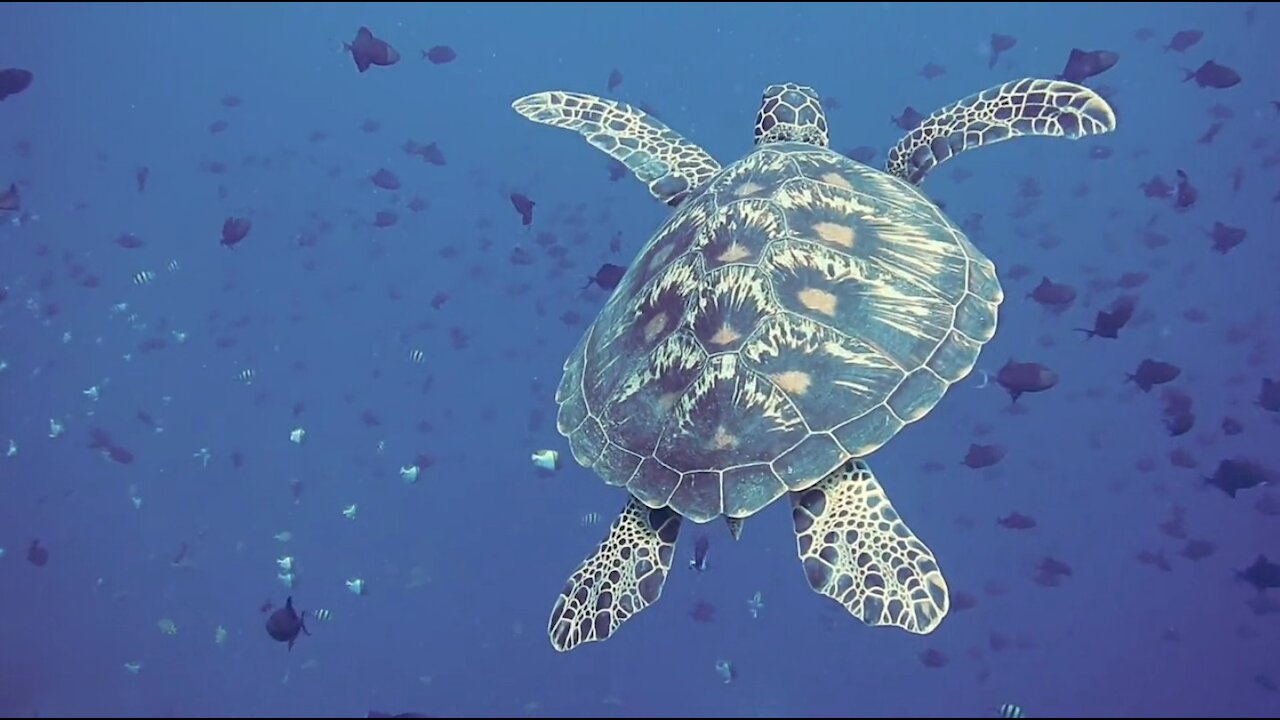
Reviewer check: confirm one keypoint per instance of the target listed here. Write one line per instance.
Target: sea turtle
(789, 318)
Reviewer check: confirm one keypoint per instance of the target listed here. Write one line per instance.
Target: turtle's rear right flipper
(658, 156)
(857, 551)
(1051, 108)
(624, 576)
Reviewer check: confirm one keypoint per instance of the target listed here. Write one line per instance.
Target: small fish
(1183, 39)
(143, 277)
(1153, 372)
(607, 277)
(1186, 193)
(1009, 710)
(1262, 574)
(1108, 323)
(909, 120)
(700, 547)
(931, 71)
(36, 554)
(440, 55)
(1234, 475)
(998, 45)
(524, 206)
(1018, 378)
(234, 230)
(1084, 64)
(981, 456)
(10, 201)
(367, 50)
(1052, 295)
(615, 79)
(285, 624)
(14, 81)
(1269, 395)
(140, 177)
(385, 179)
(1213, 75)
(1226, 237)
(1017, 521)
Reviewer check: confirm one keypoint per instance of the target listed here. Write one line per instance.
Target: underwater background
(156, 499)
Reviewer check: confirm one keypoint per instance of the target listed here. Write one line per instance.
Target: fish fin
(735, 526)
(622, 577)
(857, 551)
(658, 156)
(1030, 106)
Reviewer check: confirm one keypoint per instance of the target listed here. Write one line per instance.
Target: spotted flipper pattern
(624, 576)
(1051, 108)
(658, 156)
(857, 551)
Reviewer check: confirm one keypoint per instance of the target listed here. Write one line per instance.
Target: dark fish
(234, 230)
(1153, 372)
(934, 658)
(385, 218)
(1213, 75)
(368, 50)
(1226, 237)
(14, 81)
(1131, 280)
(1187, 193)
(931, 71)
(980, 456)
(1183, 39)
(140, 177)
(1235, 475)
(37, 555)
(1146, 557)
(1269, 395)
(999, 44)
(285, 624)
(909, 120)
(1262, 574)
(218, 126)
(231, 101)
(1156, 187)
(385, 179)
(1197, 549)
(703, 612)
(1179, 423)
(1051, 294)
(10, 201)
(1209, 135)
(607, 277)
(1084, 64)
(1231, 426)
(1108, 323)
(1017, 521)
(370, 126)
(130, 241)
(440, 55)
(700, 547)
(524, 206)
(1018, 378)
(615, 79)
(617, 170)
(431, 153)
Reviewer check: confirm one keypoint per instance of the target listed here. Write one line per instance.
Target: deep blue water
(462, 567)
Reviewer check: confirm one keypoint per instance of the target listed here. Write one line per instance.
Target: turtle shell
(796, 311)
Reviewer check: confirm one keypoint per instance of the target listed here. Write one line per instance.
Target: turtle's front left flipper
(1051, 108)
(624, 576)
(660, 157)
(857, 551)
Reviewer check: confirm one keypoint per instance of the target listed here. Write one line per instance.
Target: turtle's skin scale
(791, 316)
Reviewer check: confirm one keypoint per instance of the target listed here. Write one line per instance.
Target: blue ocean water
(162, 121)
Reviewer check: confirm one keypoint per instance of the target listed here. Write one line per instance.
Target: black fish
(1017, 521)
(1232, 476)
(980, 456)
(368, 50)
(909, 120)
(1187, 193)
(1213, 75)
(1153, 372)
(999, 44)
(1084, 64)
(1183, 39)
(285, 624)
(1051, 294)
(607, 277)
(1109, 322)
(700, 547)
(1018, 378)
(1179, 423)
(1226, 237)
(1262, 574)
(10, 201)
(524, 206)
(1269, 395)
(14, 81)
(234, 230)
(439, 55)
(615, 79)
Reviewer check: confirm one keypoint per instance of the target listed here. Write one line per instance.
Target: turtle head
(791, 113)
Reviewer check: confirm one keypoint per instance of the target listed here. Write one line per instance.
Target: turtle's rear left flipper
(1051, 108)
(857, 551)
(624, 576)
(658, 156)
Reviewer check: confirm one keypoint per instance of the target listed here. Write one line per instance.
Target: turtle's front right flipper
(1051, 108)
(624, 576)
(858, 552)
(669, 164)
